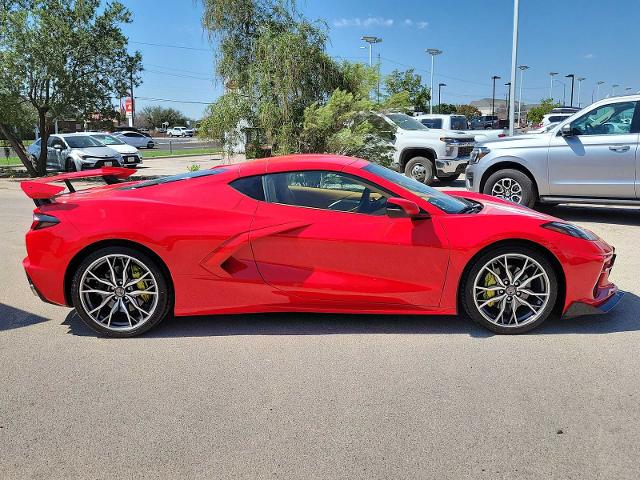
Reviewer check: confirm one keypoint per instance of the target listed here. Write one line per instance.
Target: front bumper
(577, 309)
(472, 178)
(452, 166)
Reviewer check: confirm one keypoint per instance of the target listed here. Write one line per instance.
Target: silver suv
(590, 157)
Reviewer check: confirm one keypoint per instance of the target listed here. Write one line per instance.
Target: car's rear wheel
(513, 185)
(420, 169)
(510, 289)
(150, 145)
(120, 292)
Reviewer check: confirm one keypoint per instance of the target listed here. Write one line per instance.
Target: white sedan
(136, 139)
(131, 157)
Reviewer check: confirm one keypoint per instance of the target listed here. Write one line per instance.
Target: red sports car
(318, 233)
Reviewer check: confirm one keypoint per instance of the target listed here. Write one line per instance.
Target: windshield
(405, 122)
(434, 197)
(108, 139)
(82, 141)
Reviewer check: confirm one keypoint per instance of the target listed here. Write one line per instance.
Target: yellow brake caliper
(136, 273)
(489, 281)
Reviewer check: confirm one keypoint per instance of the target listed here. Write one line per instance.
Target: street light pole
(507, 100)
(514, 62)
(493, 96)
(598, 83)
(522, 69)
(551, 74)
(613, 89)
(371, 40)
(573, 79)
(580, 79)
(440, 85)
(433, 52)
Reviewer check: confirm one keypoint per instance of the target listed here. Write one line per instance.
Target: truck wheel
(420, 169)
(512, 185)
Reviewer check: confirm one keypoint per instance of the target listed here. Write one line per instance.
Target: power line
(207, 79)
(166, 45)
(154, 99)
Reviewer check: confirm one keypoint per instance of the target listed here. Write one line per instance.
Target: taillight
(40, 220)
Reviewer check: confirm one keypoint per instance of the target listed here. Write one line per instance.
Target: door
(56, 151)
(599, 158)
(325, 236)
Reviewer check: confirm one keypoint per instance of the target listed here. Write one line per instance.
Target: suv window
(459, 123)
(326, 190)
(432, 122)
(612, 119)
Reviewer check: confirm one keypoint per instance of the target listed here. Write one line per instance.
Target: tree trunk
(41, 164)
(18, 147)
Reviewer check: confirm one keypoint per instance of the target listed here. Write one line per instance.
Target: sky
(589, 38)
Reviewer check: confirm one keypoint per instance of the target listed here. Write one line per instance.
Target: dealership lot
(318, 396)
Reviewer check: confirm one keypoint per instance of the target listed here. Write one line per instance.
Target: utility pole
(440, 85)
(493, 96)
(613, 89)
(508, 98)
(132, 121)
(378, 92)
(433, 52)
(598, 83)
(514, 62)
(522, 69)
(551, 74)
(371, 40)
(573, 79)
(580, 79)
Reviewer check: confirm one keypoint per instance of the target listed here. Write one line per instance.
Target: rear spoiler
(41, 191)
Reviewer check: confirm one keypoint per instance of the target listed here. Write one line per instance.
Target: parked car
(485, 122)
(590, 157)
(180, 132)
(458, 123)
(131, 157)
(136, 139)
(304, 233)
(425, 154)
(553, 118)
(143, 131)
(71, 152)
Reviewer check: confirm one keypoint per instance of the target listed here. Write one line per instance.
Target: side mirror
(57, 146)
(403, 208)
(566, 130)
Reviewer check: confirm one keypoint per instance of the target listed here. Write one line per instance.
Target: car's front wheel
(420, 169)
(120, 292)
(510, 289)
(513, 185)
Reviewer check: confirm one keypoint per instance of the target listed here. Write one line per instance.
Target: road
(319, 396)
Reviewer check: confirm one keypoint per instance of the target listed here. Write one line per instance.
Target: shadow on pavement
(595, 214)
(623, 319)
(11, 318)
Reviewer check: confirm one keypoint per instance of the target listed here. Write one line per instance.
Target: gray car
(590, 157)
(73, 152)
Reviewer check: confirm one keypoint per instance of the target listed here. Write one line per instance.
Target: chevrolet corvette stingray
(312, 233)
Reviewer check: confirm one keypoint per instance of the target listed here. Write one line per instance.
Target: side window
(432, 122)
(250, 186)
(53, 141)
(326, 190)
(612, 119)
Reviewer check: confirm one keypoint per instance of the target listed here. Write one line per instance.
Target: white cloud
(589, 56)
(422, 25)
(418, 24)
(363, 22)
(408, 22)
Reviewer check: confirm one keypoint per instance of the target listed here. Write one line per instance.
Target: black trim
(635, 121)
(577, 309)
(595, 200)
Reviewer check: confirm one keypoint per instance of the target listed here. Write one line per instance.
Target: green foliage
(409, 82)
(445, 108)
(468, 111)
(154, 116)
(346, 125)
(536, 113)
(194, 167)
(64, 58)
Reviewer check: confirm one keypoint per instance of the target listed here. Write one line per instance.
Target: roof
(305, 161)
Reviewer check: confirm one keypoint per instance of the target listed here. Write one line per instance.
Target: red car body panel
(228, 253)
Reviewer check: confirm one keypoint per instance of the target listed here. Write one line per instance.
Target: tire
(515, 185)
(70, 165)
(150, 145)
(473, 296)
(420, 169)
(125, 320)
(448, 179)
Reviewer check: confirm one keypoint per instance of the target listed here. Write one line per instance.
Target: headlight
(571, 230)
(477, 153)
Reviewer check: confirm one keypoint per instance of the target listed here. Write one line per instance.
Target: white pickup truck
(180, 132)
(425, 154)
(459, 123)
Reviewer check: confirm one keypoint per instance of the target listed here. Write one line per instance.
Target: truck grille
(464, 151)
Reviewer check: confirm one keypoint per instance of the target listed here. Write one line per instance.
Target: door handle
(619, 148)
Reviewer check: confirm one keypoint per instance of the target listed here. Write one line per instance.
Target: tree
(536, 113)
(61, 58)
(445, 108)
(468, 111)
(156, 115)
(411, 83)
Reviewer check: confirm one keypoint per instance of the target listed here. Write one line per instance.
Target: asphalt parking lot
(319, 396)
